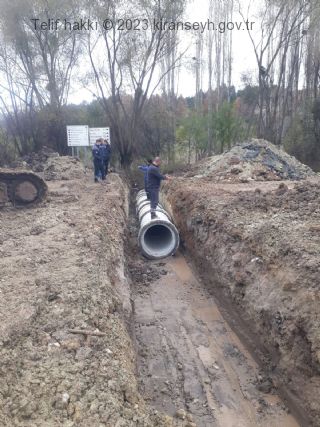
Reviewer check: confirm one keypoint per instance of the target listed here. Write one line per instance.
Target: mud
(190, 363)
(256, 246)
(66, 357)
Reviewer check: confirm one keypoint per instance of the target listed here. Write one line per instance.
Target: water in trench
(189, 359)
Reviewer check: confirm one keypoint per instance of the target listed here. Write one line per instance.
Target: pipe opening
(159, 241)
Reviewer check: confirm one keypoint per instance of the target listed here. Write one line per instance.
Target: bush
(7, 149)
(301, 140)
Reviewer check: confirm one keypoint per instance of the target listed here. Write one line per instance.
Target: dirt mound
(257, 247)
(257, 160)
(63, 168)
(36, 160)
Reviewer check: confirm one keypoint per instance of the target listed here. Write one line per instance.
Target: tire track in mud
(190, 364)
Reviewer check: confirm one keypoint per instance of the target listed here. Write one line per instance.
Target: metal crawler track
(21, 188)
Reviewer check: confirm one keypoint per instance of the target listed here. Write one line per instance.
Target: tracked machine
(21, 188)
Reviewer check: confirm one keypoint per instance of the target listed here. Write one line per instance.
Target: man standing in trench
(144, 169)
(154, 179)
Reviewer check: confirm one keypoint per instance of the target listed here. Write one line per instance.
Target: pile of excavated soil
(36, 160)
(66, 356)
(63, 168)
(257, 248)
(254, 160)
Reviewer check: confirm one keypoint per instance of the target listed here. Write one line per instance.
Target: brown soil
(213, 348)
(63, 168)
(256, 246)
(62, 269)
(253, 160)
(191, 365)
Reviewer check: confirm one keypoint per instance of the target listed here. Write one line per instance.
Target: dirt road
(190, 363)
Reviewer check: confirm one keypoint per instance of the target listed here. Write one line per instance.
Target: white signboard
(78, 136)
(97, 133)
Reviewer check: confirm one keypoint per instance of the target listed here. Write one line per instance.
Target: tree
(42, 61)
(227, 127)
(169, 83)
(192, 133)
(281, 26)
(302, 139)
(132, 63)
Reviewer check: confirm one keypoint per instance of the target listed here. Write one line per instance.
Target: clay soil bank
(256, 247)
(66, 357)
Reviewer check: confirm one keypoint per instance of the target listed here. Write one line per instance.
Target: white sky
(243, 55)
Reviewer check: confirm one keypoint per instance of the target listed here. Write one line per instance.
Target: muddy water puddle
(189, 358)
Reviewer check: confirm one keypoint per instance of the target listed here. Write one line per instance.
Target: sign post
(83, 136)
(78, 136)
(97, 133)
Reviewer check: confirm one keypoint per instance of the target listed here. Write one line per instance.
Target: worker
(106, 154)
(144, 169)
(154, 178)
(97, 161)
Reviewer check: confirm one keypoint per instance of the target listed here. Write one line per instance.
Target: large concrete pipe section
(158, 237)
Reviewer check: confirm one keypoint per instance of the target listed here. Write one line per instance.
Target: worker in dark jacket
(144, 169)
(106, 155)
(154, 178)
(97, 161)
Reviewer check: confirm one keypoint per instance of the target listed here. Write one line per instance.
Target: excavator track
(21, 188)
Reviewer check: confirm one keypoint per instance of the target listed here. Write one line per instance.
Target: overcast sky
(243, 55)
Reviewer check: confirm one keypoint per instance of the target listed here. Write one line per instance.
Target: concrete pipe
(158, 238)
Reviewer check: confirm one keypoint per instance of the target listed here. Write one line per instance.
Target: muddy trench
(190, 362)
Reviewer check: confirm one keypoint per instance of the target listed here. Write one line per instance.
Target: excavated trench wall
(66, 355)
(258, 252)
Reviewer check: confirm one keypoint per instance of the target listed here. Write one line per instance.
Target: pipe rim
(173, 230)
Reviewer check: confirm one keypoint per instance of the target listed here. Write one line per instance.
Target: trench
(190, 363)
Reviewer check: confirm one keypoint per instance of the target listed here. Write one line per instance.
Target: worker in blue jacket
(144, 169)
(106, 155)
(154, 178)
(97, 161)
